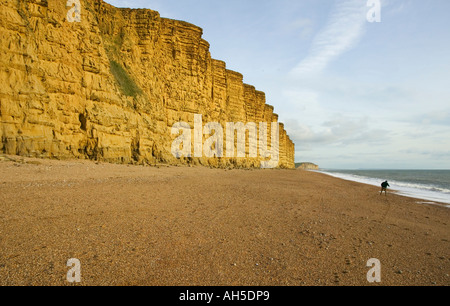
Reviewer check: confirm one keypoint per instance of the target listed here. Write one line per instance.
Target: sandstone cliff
(111, 86)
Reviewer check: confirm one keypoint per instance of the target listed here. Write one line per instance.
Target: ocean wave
(409, 189)
(422, 186)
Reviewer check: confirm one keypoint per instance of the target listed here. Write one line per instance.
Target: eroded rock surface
(112, 86)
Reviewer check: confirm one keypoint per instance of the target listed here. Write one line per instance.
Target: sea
(429, 185)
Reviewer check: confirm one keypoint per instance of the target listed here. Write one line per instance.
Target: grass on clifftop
(126, 83)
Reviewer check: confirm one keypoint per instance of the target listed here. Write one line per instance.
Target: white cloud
(343, 31)
(395, 7)
(338, 130)
(438, 117)
(303, 26)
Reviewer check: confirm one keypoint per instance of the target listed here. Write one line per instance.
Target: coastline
(195, 226)
(422, 196)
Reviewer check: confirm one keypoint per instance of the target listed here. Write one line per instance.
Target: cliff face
(112, 86)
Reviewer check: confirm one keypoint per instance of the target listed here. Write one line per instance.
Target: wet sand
(134, 225)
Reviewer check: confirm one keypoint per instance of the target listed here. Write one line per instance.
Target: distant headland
(306, 166)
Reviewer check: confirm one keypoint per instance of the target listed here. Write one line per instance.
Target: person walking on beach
(384, 187)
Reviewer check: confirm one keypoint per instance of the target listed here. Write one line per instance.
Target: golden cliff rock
(112, 86)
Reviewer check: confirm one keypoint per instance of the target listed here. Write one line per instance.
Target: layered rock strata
(111, 87)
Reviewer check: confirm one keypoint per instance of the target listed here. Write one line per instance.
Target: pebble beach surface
(195, 226)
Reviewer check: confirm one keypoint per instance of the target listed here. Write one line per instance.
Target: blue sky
(352, 94)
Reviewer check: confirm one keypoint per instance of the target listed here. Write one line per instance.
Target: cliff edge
(112, 86)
